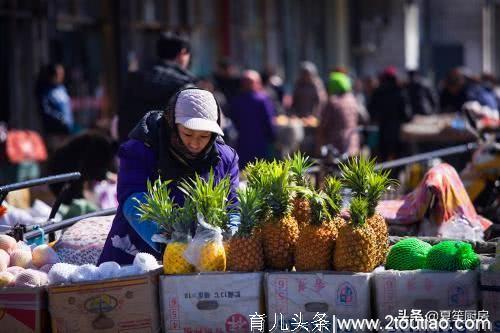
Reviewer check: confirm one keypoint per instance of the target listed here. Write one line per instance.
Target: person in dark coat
(253, 113)
(151, 90)
(421, 97)
(388, 109)
(454, 93)
(175, 144)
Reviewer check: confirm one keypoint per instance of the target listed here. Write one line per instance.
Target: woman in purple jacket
(175, 144)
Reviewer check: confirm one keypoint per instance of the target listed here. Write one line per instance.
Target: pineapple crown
(318, 204)
(255, 171)
(359, 211)
(250, 208)
(277, 189)
(207, 198)
(377, 184)
(159, 206)
(299, 165)
(360, 176)
(333, 191)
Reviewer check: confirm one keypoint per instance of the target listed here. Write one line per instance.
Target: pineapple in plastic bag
(209, 205)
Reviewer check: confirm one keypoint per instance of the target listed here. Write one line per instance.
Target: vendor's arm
(145, 229)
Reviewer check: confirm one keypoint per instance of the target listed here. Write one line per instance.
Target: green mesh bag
(452, 256)
(407, 254)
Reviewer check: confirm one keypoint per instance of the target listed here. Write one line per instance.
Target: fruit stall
(300, 251)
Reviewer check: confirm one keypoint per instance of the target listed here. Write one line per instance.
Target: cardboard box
(23, 310)
(210, 302)
(309, 295)
(490, 297)
(127, 304)
(396, 291)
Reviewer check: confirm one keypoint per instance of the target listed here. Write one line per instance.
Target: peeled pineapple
(212, 258)
(174, 261)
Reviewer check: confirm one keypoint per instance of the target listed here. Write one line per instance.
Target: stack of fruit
(285, 222)
(22, 266)
(207, 207)
(412, 254)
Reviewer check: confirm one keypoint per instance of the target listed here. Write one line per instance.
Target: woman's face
(195, 141)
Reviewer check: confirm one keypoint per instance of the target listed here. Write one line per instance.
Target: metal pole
(4, 190)
(47, 229)
(427, 156)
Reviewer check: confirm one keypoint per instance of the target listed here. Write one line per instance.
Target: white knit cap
(197, 110)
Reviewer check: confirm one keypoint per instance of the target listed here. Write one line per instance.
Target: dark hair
(45, 76)
(170, 44)
(91, 153)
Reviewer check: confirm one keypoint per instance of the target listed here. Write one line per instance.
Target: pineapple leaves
(300, 164)
(158, 207)
(359, 210)
(250, 209)
(359, 175)
(207, 198)
(333, 191)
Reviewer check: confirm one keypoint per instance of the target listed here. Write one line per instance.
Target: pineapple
(209, 206)
(244, 250)
(314, 248)
(174, 261)
(356, 245)
(160, 208)
(280, 230)
(360, 176)
(299, 165)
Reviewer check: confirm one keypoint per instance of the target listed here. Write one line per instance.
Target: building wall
(381, 28)
(444, 23)
(459, 22)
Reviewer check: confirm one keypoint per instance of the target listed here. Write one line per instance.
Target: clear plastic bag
(459, 227)
(206, 249)
(174, 261)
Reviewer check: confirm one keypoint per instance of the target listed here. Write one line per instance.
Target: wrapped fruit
(161, 209)
(31, 278)
(452, 256)
(207, 201)
(43, 255)
(6, 279)
(61, 273)
(20, 258)
(145, 262)
(4, 260)
(7, 243)
(408, 254)
(15, 270)
(174, 261)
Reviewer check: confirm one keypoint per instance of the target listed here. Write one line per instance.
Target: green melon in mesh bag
(407, 254)
(452, 256)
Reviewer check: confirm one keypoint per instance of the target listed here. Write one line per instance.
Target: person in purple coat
(252, 113)
(174, 144)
